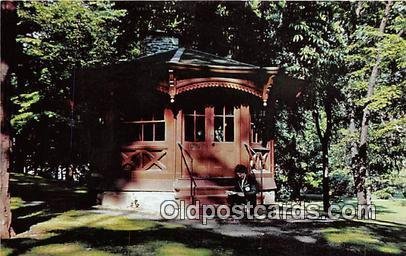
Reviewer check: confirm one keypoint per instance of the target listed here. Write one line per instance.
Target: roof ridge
(154, 54)
(178, 54)
(226, 58)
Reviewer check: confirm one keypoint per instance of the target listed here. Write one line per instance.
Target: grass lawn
(54, 220)
(391, 211)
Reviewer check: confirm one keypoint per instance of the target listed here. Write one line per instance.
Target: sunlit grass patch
(169, 225)
(391, 210)
(66, 250)
(16, 202)
(178, 249)
(34, 214)
(4, 251)
(389, 248)
(359, 237)
(24, 178)
(80, 191)
(387, 212)
(30, 181)
(78, 219)
(348, 235)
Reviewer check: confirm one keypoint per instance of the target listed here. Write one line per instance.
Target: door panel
(217, 154)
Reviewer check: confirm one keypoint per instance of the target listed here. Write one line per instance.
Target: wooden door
(210, 135)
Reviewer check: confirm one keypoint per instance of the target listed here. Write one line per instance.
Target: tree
(55, 40)
(363, 191)
(376, 86)
(333, 49)
(312, 42)
(8, 24)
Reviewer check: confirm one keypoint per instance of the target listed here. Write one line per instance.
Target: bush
(341, 183)
(385, 193)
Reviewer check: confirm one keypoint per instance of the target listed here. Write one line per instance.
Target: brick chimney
(158, 42)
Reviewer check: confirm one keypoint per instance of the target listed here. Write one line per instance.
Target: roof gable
(190, 57)
(194, 57)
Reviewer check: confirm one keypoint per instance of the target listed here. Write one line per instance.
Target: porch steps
(208, 190)
(203, 190)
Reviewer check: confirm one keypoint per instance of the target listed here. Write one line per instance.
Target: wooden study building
(180, 120)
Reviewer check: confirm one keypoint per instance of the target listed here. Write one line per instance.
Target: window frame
(224, 117)
(195, 115)
(142, 123)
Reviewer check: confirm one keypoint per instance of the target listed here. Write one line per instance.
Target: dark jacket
(248, 186)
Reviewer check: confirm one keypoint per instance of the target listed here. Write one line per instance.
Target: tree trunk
(326, 178)
(352, 129)
(8, 27)
(325, 138)
(361, 186)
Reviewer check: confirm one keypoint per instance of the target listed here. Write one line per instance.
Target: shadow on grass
(186, 240)
(57, 231)
(55, 198)
(361, 237)
(157, 238)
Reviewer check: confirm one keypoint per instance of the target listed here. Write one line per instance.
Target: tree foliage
(55, 39)
(332, 45)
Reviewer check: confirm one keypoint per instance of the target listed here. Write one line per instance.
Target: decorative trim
(214, 68)
(154, 158)
(232, 83)
(266, 89)
(178, 87)
(222, 84)
(172, 85)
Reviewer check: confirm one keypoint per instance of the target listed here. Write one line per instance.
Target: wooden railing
(253, 155)
(193, 184)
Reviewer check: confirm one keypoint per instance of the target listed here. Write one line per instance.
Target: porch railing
(189, 169)
(252, 153)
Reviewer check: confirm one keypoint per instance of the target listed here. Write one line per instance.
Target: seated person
(245, 188)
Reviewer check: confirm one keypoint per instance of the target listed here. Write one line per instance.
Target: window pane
(200, 111)
(189, 128)
(159, 115)
(146, 117)
(160, 131)
(189, 111)
(200, 130)
(218, 129)
(218, 111)
(229, 110)
(148, 129)
(229, 128)
(129, 133)
(137, 129)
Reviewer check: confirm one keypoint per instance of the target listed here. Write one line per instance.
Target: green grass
(96, 224)
(387, 211)
(4, 251)
(78, 219)
(16, 202)
(67, 249)
(77, 231)
(359, 237)
(391, 210)
(181, 250)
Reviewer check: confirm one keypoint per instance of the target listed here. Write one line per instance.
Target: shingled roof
(182, 67)
(197, 58)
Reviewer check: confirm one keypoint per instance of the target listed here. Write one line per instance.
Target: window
(224, 124)
(147, 128)
(195, 125)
